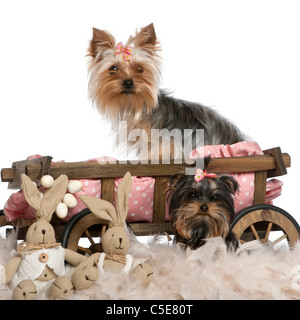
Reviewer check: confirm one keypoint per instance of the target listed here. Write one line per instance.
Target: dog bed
(254, 271)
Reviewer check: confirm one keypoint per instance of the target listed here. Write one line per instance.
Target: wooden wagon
(254, 222)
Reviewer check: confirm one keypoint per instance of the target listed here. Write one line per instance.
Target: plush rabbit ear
(46, 206)
(31, 194)
(101, 208)
(123, 198)
(53, 196)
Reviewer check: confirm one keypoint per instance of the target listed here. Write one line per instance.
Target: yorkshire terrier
(123, 85)
(202, 207)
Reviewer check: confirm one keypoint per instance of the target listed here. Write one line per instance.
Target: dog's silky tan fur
(128, 90)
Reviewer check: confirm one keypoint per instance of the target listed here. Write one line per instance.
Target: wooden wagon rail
(272, 163)
(94, 170)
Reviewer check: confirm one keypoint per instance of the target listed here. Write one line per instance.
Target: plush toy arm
(86, 273)
(73, 257)
(11, 267)
(2, 277)
(144, 273)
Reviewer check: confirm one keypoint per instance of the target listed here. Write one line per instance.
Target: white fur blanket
(210, 272)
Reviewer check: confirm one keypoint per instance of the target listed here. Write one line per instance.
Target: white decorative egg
(70, 200)
(47, 181)
(74, 186)
(61, 210)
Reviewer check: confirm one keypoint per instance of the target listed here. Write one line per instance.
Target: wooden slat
(107, 189)
(94, 170)
(159, 199)
(7, 174)
(280, 168)
(145, 228)
(260, 187)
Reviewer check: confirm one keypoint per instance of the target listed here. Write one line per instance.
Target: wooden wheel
(261, 221)
(83, 225)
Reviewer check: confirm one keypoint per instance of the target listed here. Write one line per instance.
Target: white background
(240, 57)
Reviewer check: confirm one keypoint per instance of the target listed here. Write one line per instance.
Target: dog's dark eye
(192, 195)
(140, 70)
(113, 68)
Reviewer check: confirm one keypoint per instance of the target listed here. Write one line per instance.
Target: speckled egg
(61, 210)
(47, 181)
(70, 200)
(75, 186)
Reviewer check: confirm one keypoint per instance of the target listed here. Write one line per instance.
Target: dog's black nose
(128, 84)
(203, 207)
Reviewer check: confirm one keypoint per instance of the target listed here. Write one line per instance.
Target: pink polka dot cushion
(16, 207)
(245, 195)
(91, 187)
(140, 199)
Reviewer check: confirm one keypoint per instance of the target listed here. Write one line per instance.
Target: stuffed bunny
(115, 240)
(40, 262)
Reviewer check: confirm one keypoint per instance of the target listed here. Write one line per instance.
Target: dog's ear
(206, 162)
(174, 180)
(146, 38)
(101, 42)
(230, 182)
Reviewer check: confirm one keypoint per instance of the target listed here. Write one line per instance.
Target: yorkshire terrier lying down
(202, 207)
(123, 85)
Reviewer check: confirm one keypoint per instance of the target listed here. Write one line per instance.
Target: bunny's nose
(120, 240)
(43, 231)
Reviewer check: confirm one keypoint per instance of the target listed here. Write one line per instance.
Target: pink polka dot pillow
(91, 187)
(16, 207)
(245, 195)
(140, 199)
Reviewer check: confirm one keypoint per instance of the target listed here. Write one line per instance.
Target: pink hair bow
(126, 50)
(202, 174)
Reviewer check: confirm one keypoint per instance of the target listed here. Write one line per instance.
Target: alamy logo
(182, 142)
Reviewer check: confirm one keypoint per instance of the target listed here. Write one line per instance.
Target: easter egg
(61, 210)
(75, 186)
(69, 200)
(47, 181)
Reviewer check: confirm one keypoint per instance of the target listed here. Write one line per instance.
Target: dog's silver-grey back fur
(174, 113)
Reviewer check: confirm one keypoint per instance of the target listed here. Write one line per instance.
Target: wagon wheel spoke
(254, 232)
(86, 250)
(279, 239)
(89, 237)
(269, 228)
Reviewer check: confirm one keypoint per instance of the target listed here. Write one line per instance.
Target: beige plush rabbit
(40, 262)
(115, 240)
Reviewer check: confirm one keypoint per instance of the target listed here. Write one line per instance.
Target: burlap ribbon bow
(28, 248)
(116, 257)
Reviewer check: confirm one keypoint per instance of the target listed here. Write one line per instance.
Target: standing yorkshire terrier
(202, 207)
(123, 85)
